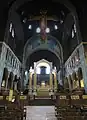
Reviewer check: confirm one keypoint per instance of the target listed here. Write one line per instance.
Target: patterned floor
(40, 113)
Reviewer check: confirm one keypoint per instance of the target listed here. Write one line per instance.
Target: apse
(43, 54)
(43, 68)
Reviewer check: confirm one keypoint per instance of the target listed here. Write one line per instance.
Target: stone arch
(44, 54)
(48, 37)
(28, 50)
(40, 63)
(4, 78)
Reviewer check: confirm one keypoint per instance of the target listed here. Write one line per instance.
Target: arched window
(80, 77)
(74, 28)
(4, 78)
(11, 30)
(13, 33)
(73, 33)
(70, 79)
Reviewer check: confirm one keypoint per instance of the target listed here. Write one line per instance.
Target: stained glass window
(73, 33)
(10, 27)
(74, 28)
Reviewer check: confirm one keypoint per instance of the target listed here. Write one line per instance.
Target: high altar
(44, 88)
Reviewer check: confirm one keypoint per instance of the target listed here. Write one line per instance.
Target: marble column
(69, 81)
(30, 80)
(35, 78)
(51, 81)
(12, 82)
(78, 81)
(55, 80)
(15, 86)
(6, 84)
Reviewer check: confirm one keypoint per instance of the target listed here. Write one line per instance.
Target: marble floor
(40, 113)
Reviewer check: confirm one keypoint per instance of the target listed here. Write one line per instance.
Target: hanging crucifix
(43, 25)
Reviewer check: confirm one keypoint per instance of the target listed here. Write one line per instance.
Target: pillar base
(55, 89)
(51, 92)
(35, 92)
(30, 91)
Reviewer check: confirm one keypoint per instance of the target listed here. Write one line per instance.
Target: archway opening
(42, 54)
(66, 84)
(70, 81)
(75, 80)
(15, 87)
(39, 55)
(4, 78)
(80, 77)
(10, 80)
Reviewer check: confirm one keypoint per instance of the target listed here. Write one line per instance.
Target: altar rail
(78, 101)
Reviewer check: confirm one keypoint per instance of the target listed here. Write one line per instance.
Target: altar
(42, 84)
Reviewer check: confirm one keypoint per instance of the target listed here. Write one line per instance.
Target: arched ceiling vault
(18, 3)
(33, 45)
(42, 54)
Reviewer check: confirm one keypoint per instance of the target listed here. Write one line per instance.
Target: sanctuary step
(43, 91)
(41, 102)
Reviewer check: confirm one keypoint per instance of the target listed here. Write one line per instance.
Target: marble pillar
(30, 81)
(15, 86)
(69, 82)
(12, 82)
(51, 80)
(6, 84)
(55, 80)
(35, 78)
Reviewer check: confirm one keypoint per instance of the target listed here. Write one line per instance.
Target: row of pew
(71, 106)
(12, 109)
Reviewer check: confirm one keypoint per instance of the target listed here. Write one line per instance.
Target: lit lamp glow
(30, 27)
(82, 83)
(56, 27)
(47, 30)
(25, 72)
(13, 100)
(38, 30)
(77, 60)
(43, 83)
